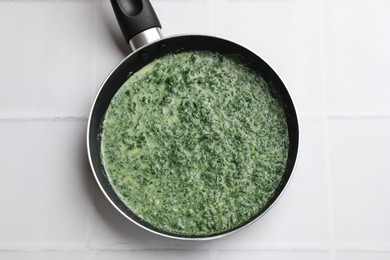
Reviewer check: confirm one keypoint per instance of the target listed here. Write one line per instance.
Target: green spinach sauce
(195, 143)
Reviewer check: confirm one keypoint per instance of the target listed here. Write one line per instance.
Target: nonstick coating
(147, 54)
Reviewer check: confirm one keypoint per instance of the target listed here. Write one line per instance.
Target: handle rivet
(143, 56)
(162, 47)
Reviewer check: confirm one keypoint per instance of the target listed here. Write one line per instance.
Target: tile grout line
(210, 4)
(357, 116)
(93, 89)
(287, 247)
(324, 95)
(213, 251)
(46, 1)
(71, 248)
(91, 212)
(44, 119)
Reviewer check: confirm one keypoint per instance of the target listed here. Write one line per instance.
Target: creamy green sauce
(195, 143)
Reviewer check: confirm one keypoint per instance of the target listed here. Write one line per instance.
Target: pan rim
(172, 236)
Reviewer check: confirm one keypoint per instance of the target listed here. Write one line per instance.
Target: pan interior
(173, 45)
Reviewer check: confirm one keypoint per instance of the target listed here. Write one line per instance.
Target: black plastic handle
(134, 16)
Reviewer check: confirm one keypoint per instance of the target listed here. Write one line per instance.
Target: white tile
(286, 34)
(272, 255)
(154, 254)
(47, 58)
(183, 17)
(357, 56)
(45, 193)
(361, 255)
(300, 217)
(359, 164)
(176, 17)
(44, 255)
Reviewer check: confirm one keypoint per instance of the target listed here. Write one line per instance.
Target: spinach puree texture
(195, 143)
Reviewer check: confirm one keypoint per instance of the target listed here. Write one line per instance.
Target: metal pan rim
(178, 237)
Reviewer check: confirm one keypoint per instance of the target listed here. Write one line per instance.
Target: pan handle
(135, 17)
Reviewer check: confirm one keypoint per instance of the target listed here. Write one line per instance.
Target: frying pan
(141, 29)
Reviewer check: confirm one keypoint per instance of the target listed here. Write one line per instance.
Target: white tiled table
(334, 57)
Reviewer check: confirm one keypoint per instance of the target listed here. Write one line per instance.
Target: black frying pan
(140, 27)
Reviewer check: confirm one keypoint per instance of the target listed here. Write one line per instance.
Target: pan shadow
(109, 28)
